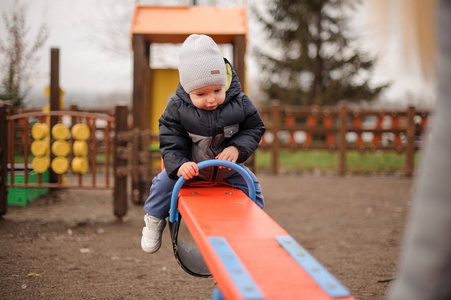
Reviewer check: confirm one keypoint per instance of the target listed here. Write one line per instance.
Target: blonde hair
(417, 27)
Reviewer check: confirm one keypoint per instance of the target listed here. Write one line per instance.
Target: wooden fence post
(73, 107)
(4, 111)
(139, 65)
(275, 127)
(136, 177)
(120, 180)
(342, 145)
(410, 140)
(54, 104)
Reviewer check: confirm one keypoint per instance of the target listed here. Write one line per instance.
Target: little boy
(207, 118)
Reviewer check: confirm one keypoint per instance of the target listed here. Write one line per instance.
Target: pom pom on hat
(201, 63)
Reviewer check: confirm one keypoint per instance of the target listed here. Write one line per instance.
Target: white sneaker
(151, 238)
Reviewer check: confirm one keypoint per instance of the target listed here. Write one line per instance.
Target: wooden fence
(335, 129)
(109, 148)
(342, 129)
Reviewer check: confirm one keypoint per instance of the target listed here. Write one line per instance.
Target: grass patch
(325, 161)
(19, 157)
(313, 161)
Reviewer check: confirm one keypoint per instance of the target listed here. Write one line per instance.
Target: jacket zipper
(211, 119)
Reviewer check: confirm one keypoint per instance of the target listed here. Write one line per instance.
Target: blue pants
(159, 200)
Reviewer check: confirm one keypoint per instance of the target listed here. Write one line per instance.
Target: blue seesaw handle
(174, 213)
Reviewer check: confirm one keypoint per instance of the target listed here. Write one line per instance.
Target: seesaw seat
(249, 255)
(225, 212)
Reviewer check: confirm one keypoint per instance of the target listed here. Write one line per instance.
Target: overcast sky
(86, 68)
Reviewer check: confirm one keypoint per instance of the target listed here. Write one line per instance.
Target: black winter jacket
(188, 133)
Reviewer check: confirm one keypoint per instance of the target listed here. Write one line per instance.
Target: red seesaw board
(228, 214)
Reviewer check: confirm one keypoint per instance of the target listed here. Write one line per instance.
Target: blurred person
(424, 270)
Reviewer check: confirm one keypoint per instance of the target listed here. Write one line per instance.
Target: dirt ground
(68, 244)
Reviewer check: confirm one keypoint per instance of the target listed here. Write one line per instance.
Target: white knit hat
(201, 63)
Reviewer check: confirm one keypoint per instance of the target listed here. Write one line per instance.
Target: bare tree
(18, 55)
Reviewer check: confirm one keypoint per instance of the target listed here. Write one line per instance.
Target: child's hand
(230, 154)
(188, 170)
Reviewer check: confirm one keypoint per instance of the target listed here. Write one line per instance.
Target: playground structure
(82, 150)
(245, 250)
(172, 25)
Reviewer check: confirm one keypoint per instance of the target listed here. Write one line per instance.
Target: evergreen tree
(313, 61)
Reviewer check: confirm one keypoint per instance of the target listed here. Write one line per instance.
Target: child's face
(208, 97)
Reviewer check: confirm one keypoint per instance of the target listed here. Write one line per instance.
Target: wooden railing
(337, 129)
(109, 149)
(342, 129)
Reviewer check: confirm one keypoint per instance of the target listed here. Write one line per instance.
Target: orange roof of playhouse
(174, 24)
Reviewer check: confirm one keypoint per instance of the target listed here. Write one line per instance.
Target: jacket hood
(233, 90)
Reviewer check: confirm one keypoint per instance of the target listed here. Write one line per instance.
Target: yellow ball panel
(80, 165)
(40, 164)
(39, 147)
(80, 131)
(60, 165)
(61, 148)
(80, 148)
(60, 132)
(40, 131)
